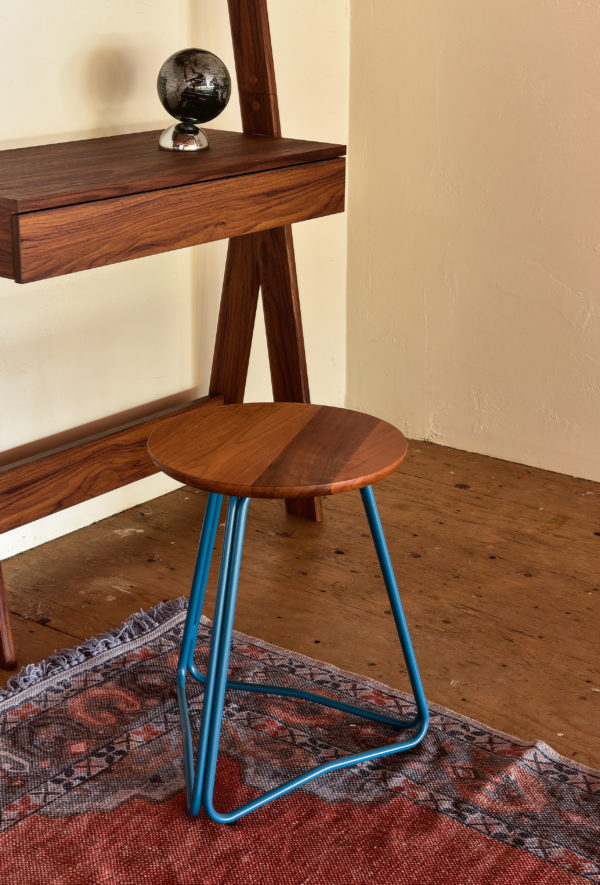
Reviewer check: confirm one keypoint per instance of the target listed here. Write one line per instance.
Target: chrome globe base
(183, 137)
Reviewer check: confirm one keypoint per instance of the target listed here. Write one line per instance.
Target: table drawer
(59, 241)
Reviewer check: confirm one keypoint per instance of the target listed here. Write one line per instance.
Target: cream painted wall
(474, 225)
(91, 344)
(94, 343)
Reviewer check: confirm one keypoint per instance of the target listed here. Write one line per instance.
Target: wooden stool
(272, 450)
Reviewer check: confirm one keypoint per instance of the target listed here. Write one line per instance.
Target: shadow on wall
(98, 85)
(104, 80)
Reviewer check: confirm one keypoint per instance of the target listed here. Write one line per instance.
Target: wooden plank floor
(499, 566)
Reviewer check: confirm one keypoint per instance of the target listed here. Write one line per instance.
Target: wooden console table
(83, 204)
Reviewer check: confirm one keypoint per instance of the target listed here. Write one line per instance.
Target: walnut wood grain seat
(277, 450)
(272, 450)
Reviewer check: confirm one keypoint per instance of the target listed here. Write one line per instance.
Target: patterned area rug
(91, 784)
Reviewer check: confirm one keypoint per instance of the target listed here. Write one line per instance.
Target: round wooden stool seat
(277, 450)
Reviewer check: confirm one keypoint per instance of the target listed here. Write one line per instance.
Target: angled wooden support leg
(236, 320)
(273, 250)
(7, 648)
(254, 68)
(265, 259)
(283, 322)
(285, 339)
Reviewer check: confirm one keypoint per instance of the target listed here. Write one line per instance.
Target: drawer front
(53, 242)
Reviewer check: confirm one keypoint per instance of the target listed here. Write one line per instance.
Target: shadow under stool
(272, 450)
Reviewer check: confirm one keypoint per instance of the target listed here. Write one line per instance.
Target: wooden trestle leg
(263, 259)
(236, 320)
(7, 648)
(285, 340)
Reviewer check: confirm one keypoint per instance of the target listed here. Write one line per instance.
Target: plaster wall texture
(77, 348)
(474, 229)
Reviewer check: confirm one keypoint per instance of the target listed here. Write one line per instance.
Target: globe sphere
(194, 85)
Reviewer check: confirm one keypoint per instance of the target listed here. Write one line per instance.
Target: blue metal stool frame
(200, 777)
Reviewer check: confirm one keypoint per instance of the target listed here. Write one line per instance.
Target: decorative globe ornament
(194, 87)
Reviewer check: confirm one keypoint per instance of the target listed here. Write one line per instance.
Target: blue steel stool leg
(218, 672)
(368, 498)
(228, 576)
(190, 633)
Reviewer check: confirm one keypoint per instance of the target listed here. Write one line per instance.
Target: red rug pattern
(91, 784)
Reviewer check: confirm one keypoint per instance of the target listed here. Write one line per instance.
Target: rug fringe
(137, 625)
